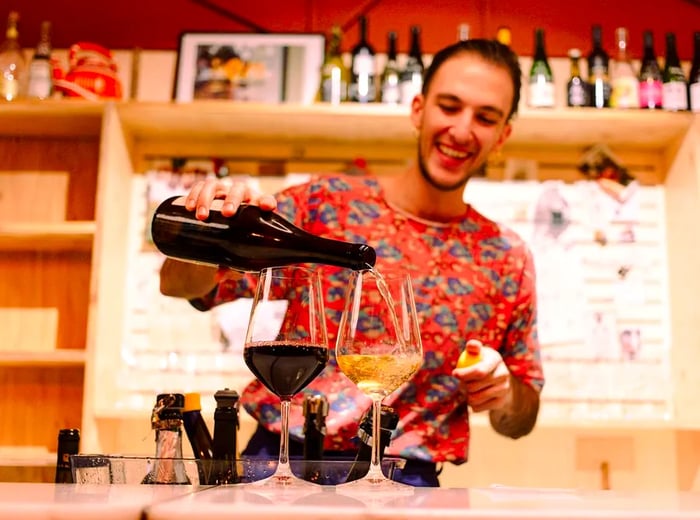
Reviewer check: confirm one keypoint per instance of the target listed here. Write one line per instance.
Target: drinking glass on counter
(378, 348)
(286, 358)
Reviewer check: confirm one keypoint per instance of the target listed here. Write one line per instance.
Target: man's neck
(411, 194)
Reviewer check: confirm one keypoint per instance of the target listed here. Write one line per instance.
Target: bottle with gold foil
(503, 35)
(13, 68)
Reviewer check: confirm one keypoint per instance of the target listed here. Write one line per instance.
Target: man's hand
(485, 384)
(488, 385)
(202, 194)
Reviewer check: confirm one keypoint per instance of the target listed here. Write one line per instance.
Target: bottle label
(695, 97)
(674, 96)
(577, 95)
(390, 93)
(650, 94)
(333, 88)
(410, 88)
(363, 63)
(625, 93)
(40, 82)
(541, 94)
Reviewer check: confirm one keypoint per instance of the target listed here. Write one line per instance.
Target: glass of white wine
(378, 348)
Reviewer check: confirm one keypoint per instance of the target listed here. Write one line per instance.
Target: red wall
(156, 24)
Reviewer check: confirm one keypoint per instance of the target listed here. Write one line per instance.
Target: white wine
(379, 374)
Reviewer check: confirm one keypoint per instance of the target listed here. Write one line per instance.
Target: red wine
(285, 368)
(250, 240)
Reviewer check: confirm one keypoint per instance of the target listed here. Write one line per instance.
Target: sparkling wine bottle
(598, 61)
(541, 79)
(197, 432)
(576, 88)
(166, 419)
(251, 240)
(390, 75)
(412, 75)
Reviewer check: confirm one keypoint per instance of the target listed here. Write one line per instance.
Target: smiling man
(474, 280)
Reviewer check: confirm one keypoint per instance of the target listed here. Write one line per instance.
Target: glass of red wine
(288, 356)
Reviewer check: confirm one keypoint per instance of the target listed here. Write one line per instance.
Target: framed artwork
(266, 68)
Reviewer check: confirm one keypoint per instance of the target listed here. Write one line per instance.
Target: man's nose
(463, 126)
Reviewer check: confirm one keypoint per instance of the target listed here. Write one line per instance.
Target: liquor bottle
(541, 79)
(363, 88)
(12, 63)
(166, 419)
(462, 32)
(315, 410)
(40, 83)
(576, 88)
(334, 73)
(197, 432)
(503, 35)
(674, 94)
(390, 94)
(68, 443)
(225, 444)
(694, 76)
(625, 85)
(389, 419)
(249, 241)
(650, 80)
(412, 74)
(598, 62)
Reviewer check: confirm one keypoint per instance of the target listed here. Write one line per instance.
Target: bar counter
(246, 502)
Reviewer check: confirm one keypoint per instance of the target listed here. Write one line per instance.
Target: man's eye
(449, 108)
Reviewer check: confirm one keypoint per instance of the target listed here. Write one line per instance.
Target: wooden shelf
(62, 236)
(207, 120)
(51, 118)
(54, 358)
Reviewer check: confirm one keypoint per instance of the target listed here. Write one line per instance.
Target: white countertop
(244, 502)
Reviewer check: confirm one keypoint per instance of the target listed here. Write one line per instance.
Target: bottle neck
(540, 52)
(671, 52)
(415, 51)
(391, 47)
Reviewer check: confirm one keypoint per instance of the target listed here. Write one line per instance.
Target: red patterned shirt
(472, 278)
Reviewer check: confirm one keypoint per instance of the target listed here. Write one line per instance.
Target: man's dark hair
(491, 51)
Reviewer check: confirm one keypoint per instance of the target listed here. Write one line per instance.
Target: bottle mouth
(368, 255)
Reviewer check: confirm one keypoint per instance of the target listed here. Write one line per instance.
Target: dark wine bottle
(315, 409)
(598, 67)
(225, 445)
(412, 74)
(197, 432)
(389, 421)
(251, 240)
(166, 419)
(541, 82)
(674, 94)
(363, 88)
(650, 80)
(694, 76)
(390, 74)
(68, 443)
(576, 88)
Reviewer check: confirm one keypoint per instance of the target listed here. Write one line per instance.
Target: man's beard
(459, 185)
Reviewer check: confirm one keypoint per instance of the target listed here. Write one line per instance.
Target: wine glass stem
(375, 468)
(283, 464)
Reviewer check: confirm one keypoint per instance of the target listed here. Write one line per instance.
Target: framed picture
(267, 68)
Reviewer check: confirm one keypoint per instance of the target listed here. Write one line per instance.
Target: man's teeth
(452, 153)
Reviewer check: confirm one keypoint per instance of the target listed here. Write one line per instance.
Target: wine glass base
(374, 490)
(283, 481)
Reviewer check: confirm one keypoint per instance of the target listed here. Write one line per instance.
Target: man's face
(462, 119)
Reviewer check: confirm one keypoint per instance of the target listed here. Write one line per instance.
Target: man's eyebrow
(485, 108)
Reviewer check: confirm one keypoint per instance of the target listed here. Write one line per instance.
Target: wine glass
(378, 348)
(286, 358)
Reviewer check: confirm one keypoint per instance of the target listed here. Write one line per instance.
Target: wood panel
(60, 280)
(78, 156)
(37, 402)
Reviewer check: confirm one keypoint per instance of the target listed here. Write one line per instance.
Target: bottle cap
(226, 398)
(193, 401)
(315, 404)
(68, 433)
